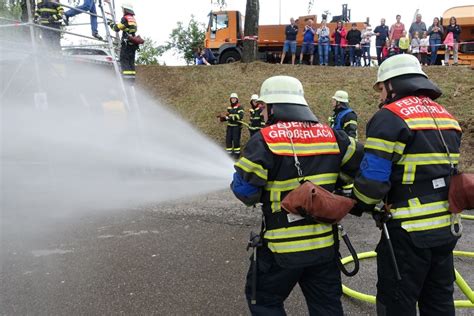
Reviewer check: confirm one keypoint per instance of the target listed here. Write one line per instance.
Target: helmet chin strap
(390, 95)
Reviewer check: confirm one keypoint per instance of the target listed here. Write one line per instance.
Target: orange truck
(465, 18)
(225, 35)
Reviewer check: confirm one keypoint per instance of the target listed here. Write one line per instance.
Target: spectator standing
(308, 41)
(404, 43)
(323, 43)
(290, 43)
(340, 43)
(435, 31)
(365, 43)
(455, 29)
(415, 46)
(390, 49)
(354, 37)
(417, 26)
(381, 35)
(397, 29)
(424, 43)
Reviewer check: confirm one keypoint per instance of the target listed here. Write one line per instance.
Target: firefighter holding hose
(411, 151)
(292, 249)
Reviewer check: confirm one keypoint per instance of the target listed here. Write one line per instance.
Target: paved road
(173, 259)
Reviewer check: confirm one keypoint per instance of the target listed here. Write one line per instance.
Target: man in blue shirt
(381, 34)
(308, 41)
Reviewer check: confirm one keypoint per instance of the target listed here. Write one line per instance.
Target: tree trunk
(250, 48)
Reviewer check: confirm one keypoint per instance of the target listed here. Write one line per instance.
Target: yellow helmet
(398, 65)
(341, 96)
(286, 96)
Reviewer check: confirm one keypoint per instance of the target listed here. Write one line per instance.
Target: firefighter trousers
(320, 284)
(427, 277)
(232, 140)
(127, 61)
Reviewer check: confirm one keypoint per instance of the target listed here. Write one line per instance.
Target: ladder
(107, 16)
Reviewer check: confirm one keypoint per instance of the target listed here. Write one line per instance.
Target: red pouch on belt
(315, 201)
(461, 193)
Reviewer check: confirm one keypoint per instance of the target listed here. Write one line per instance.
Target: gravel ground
(180, 258)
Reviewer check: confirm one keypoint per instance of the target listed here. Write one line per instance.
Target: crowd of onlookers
(418, 40)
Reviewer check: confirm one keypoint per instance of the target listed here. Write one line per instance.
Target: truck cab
(224, 35)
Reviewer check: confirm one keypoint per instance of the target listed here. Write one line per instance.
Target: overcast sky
(156, 18)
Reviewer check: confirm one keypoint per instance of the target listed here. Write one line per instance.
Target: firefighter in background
(256, 116)
(344, 117)
(128, 26)
(234, 116)
(406, 165)
(49, 13)
(295, 249)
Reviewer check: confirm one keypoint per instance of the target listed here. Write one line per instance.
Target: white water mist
(70, 144)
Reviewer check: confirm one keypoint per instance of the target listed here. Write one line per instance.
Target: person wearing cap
(128, 26)
(256, 116)
(344, 118)
(295, 249)
(234, 117)
(88, 6)
(406, 166)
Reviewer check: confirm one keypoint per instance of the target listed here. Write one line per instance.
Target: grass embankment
(199, 93)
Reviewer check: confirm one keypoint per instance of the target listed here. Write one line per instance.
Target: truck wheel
(230, 56)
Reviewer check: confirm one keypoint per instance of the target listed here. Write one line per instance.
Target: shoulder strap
(297, 162)
(453, 169)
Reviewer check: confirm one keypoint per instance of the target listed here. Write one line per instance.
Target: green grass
(199, 93)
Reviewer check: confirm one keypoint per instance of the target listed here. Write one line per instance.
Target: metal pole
(33, 44)
(112, 53)
(279, 14)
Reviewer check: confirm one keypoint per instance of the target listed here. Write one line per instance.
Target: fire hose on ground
(462, 284)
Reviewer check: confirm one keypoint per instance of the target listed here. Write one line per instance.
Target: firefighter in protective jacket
(49, 13)
(295, 249)
(234, 116)
(128, 26)
(406, 165)
(344, 117)
(256, 116)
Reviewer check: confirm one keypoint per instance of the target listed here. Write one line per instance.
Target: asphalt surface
(182, 258)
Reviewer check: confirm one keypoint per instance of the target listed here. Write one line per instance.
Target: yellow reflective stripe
(409, 172)
(415, 209)
(385, 145)
(351, 149)
(314, 148)
(275, 198)
(421, 123)
(291, 184)
(120, 26)
(428, 159)
(365, 198)
(297, 231)
(301, 245)
(252, 167)
(349, 122)
(129, 72)
(427, 224)
(47, 10)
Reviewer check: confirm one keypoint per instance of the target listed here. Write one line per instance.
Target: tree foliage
(149, 52)
(10, 10)
(185, 39)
